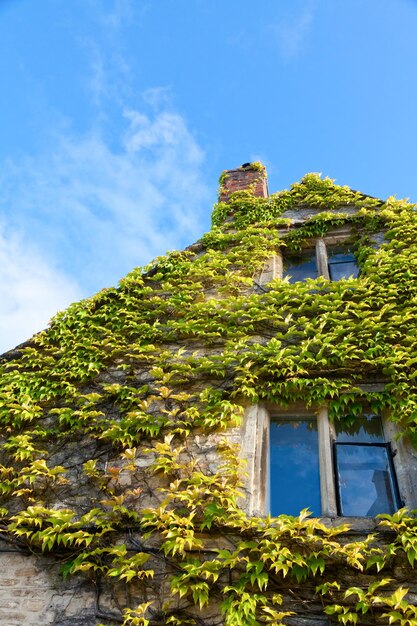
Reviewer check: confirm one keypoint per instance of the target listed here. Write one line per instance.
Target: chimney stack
(247, 176)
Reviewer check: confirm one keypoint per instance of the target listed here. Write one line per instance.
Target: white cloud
(121, 11)
(109, 76)
(97, 204)
(156, 96)
(290, 33)
(30, 290)
(96, 207)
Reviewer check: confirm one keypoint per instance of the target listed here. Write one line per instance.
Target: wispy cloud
(119, 13)
(109, 75)
(95, 209)
(157, 97)
(290, 33)
(87, 207)
(31, 290)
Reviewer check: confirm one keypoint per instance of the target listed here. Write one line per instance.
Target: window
(333, 262)
(365, 476)
(341, 264)
(344, 469)
(302, 266)
(294, 466)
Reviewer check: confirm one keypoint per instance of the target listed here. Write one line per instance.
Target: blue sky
(117, 117)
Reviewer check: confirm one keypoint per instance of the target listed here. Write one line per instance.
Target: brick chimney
(247, 176)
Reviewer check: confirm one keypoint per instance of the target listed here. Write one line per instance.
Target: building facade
(228, 436)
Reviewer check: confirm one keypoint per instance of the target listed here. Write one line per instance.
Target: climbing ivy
(116, 451)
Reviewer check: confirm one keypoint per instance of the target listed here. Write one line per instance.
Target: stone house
(228, 436)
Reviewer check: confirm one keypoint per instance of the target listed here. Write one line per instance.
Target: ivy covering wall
(115, 421)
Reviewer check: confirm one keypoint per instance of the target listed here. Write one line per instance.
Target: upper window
(332, 262)
(344, 469)
(301, 266)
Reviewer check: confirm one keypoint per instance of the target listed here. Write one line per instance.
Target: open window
(364, 471)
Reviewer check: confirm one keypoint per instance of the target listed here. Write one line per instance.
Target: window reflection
(364, 470)
(342, 264)
(300, 267)
(365, 485)
(294, 466)
(365, 428)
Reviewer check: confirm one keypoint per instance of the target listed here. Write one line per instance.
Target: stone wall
(160, 356)
(32, 593)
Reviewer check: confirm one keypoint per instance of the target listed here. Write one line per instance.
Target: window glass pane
(294, 466)
(342, 265)
(338, 256)
(300, 267)
(338, 271)
(365, 480)
(366, 428)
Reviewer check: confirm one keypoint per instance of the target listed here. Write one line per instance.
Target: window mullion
(321, 255)
(327, 482)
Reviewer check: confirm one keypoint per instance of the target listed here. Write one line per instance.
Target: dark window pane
(338, 271)
(342, 265)
(294, 467)
(338, 256)
(364, 480)
(300, 267)
(366, 428)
